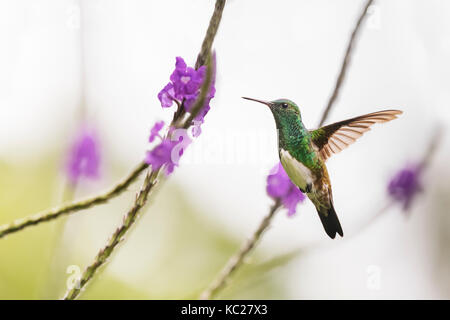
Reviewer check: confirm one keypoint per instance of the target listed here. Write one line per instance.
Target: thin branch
(206, 86)
(431, 150)
(117, 237)
(345, 63)
(210, 33)
(152, 176)
(67, 209)
(202, 57)
(235, 261)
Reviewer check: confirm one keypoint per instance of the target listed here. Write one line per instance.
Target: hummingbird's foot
(308, 188)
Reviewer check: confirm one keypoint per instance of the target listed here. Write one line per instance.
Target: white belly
(299, 174)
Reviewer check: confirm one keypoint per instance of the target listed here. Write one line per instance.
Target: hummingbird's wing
(335, 137)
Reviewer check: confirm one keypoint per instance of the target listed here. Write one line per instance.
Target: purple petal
(84, 157)
(180, 64)
(165, 96)
(168, 152)
(160, 155)
(278, 182)
(279, 186)
(405, 185)
(154, 132)
(185, 85)
(293, 198)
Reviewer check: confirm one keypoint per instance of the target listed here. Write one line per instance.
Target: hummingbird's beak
(260, 101)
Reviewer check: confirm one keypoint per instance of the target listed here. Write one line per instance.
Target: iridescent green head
(284, 111)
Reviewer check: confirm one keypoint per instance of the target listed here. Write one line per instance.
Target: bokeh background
(108, 59)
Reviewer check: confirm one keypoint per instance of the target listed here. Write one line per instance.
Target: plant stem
(129, 219)
(235, 261)
(432, 146)
(57, 212)
(151, 178)
(210, 33)
(345, 63)
(206, 86)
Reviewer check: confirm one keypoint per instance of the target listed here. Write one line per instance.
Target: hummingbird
(303, 152)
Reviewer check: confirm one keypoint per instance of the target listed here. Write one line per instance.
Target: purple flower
(293, 197)
(279, 186)
(405, 185)
(187, 82)
(185, 87)
(278, 182)
(160, 155)
(84, 157)
(168, 152)
(154, 132)
(166, 96)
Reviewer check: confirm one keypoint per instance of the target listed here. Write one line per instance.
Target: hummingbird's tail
(330, 221)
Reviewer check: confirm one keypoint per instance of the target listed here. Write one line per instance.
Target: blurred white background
(114, 56)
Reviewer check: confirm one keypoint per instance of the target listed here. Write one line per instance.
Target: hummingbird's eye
(284, 105)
